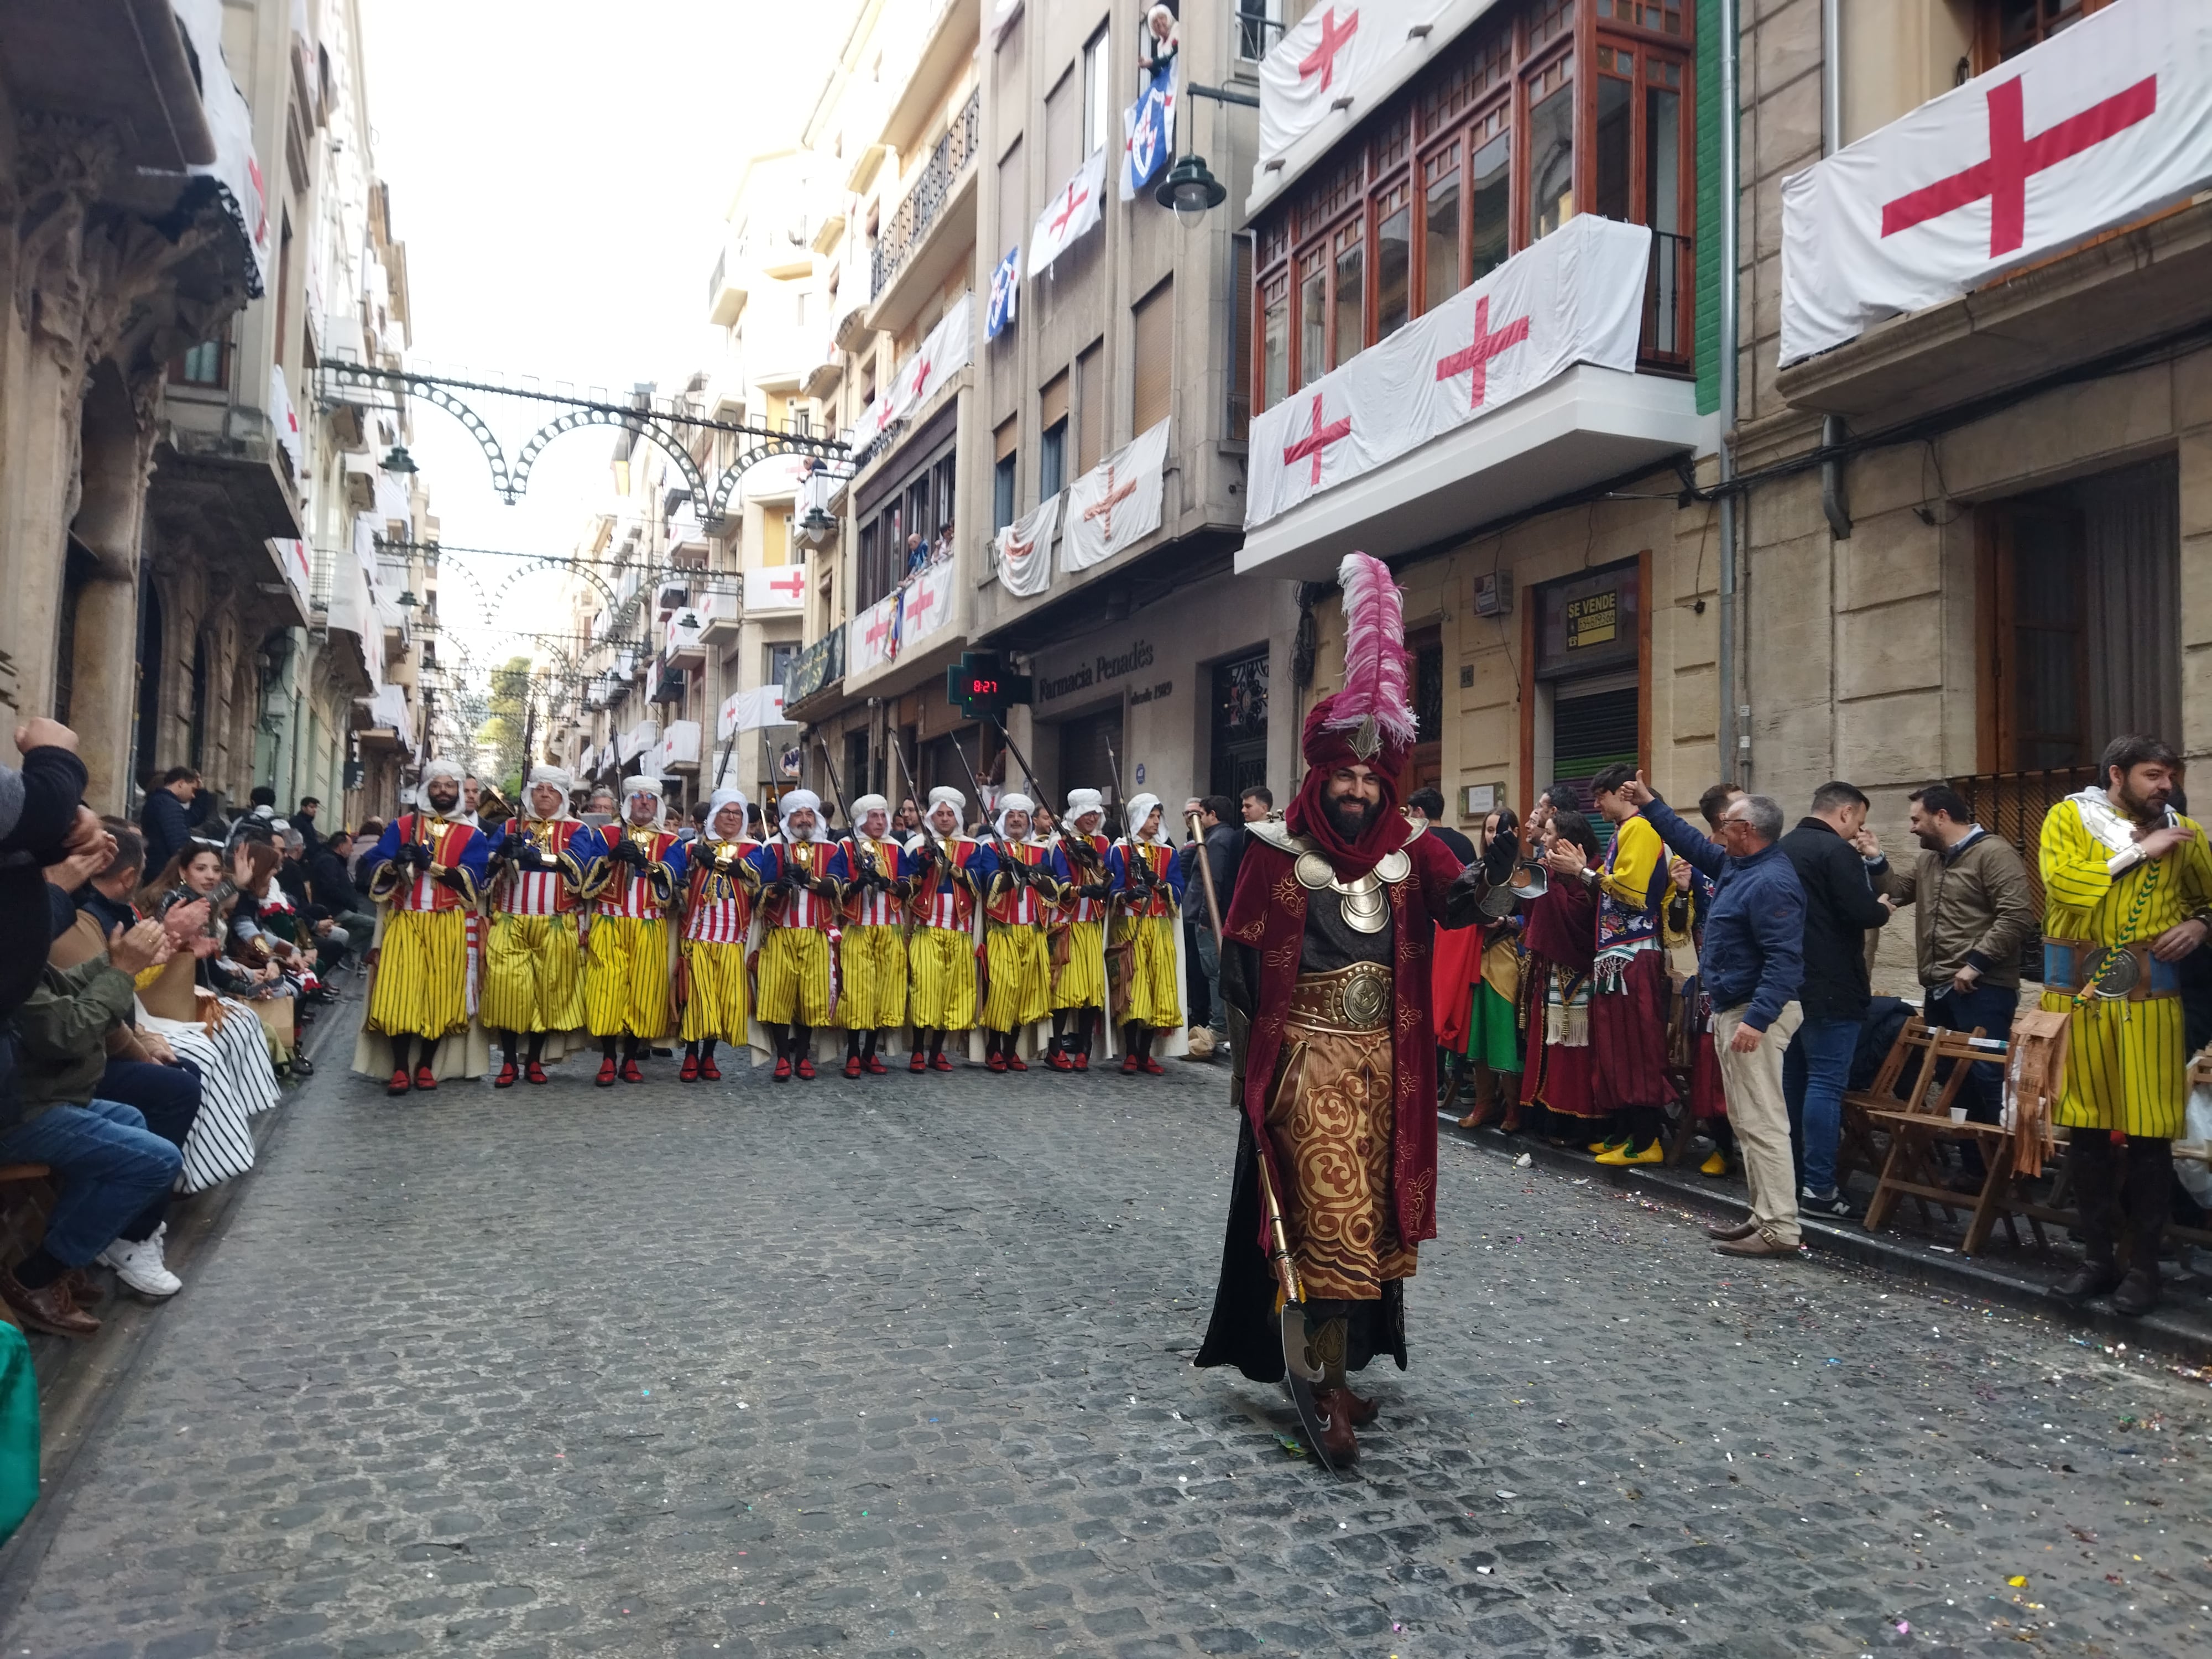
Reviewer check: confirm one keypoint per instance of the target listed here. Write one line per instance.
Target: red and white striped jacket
(865, 907)
(938, 902)
(637, 893)
(719, 904)
(1018, 907)
(802, 908)
(548, 892)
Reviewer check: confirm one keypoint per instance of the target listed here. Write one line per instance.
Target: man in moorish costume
(426, 870)
(949, 870)
(2127, 884)
(872, 869)
(798, 967)
(1017, 959)
(1079, 946)
(533, 958)
(1147, 936)
(718, 920)
(628, 965)
(1326, 968)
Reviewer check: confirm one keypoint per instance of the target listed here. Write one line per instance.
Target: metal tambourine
(2111, 972)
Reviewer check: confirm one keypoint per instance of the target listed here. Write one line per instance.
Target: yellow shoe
(1617, 1156)
(1715, 1165)
(1602, 1147)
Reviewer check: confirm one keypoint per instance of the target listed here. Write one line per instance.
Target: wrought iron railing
(2011, 805)
(815, 667)
(927, 200)
(1256, 32)
(1670, 308)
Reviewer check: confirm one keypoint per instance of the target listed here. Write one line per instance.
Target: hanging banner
(875, 634)
(779, 587)
(1069, 216)
(1148, 132)
(1006, 294)
(236, 169)
(285, 421)
(944, 352)
(1025, 550)
(927, 604)
(1575, 297)
(2108, 122)
(1116, 503)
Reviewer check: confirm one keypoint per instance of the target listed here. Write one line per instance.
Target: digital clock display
(983, 688)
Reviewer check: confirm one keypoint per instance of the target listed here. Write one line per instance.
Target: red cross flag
(1068, 215)
(1116, 503)
(1025, 550)
(1575, 297)
(1333, 62)
(874, 639)
(2106, 123)
(778, 588)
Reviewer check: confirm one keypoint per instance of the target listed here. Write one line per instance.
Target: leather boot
(1338, 1410)
(2090, 1153)
(2146, 1195)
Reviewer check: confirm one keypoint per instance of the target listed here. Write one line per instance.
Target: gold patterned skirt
(1331, 1117)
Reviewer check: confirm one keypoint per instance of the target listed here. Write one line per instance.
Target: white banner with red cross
(1025, 550)
(874, 639)
(943, 353)
(2104, 123)
(926, 605)
(1116, 503)
(1575, 297)
(776, 587)
(1071, 212)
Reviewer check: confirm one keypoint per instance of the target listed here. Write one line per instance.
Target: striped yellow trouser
(944, 964)
(1152, 996)
(715, 1005)
(874, 993)
(533, 974)
(794, 977)
(422, 985)
(1019, 976)
(1082, 982)
(2127, 1066)
(626, 977)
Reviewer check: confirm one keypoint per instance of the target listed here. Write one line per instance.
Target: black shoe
(1834, 1205)
(2091, 1279)
(2138, 1293)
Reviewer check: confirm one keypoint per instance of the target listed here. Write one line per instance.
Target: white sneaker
(141, 1267)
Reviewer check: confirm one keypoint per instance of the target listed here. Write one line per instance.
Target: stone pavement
(902, 1368)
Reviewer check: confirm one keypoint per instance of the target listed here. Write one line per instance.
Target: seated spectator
(189, 994)
(43, 819)
(111, 1168)
(292, 871)
(330, 883)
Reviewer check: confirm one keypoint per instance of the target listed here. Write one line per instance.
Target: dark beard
(1348, 816)
(443, 808)
(2150, 813)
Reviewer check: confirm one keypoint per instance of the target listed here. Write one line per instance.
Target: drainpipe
(1734, 741)
(1832, 77)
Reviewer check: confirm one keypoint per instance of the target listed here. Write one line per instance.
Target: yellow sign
(1591, 620)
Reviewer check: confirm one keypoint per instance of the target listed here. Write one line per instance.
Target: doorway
(1088, 745)
(1240, 724)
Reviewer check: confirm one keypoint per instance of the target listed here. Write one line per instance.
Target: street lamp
(815, 525)
(1190, 187)
(399, 460)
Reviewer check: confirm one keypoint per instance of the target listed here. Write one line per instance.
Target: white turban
(792, 801)
(867, 804)
(644, 785)
(555, 776)
(1082, 801)
(440, 768)
(715, 803)
(1012, 802)
(1140, 808)
(944, 795)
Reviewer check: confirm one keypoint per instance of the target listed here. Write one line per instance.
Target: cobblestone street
(901, 1367)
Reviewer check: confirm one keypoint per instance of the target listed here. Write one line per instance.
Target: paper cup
(1958, 1115)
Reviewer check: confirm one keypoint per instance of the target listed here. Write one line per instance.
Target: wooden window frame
(1984, 52)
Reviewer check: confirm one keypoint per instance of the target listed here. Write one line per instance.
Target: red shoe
(1059, 1061)
(1015, 1062)
(1129, 1064)
(630, 1072)
(708, 1070)
(1153, 1067)
(689, 1071)
(938, 1062)
(805, 1070)
(536, 1072)
(1083, 1060)
(783, 1068)
(399, 1085)
(997, 1062)
(507, 1077)
(425, 1078)
(919, 1063)
(876, 1067)
(852, 1066)
(606, 1077)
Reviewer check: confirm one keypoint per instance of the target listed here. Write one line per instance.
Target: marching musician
(1148, 912)
(718, 919)
(1086, 885)
(872, 870)
(800, 901)
(948, 869)
(626, 954)
(426, 870)
(533, 959)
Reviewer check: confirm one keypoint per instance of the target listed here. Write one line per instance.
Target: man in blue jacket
(1753, 964)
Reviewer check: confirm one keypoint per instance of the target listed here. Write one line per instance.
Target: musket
(1129, 829)
(837, 788)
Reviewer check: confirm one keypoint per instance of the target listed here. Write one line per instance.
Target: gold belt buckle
(1365, 994)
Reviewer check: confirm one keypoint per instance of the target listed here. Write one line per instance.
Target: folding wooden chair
(1856, 1148)
(1923, 1123)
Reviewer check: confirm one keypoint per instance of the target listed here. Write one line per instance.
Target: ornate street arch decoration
(637, 422)
(434, 392)
(829, 454)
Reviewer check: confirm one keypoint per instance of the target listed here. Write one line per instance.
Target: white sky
(559, 173)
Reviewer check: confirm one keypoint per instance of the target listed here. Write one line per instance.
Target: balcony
(933, 232)
(725, 292)
(947, 45)
(818, 668)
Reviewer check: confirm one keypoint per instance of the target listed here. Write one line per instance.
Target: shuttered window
(1052, 402)
(1091, 420)
(1154, 346)
(1014, 202)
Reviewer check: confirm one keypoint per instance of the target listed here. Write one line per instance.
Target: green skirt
(1492, 1038)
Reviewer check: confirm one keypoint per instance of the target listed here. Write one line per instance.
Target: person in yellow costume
(871, 869)
(426, 871)
(718, 920)
(1148, 899)
(533, 958)
(1021, 886)
(2127, 884)
(628, 966)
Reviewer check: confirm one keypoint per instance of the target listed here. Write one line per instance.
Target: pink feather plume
(1377, 678)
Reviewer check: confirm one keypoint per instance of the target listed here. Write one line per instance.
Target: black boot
(2090, 1152)
(2146, 1194)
